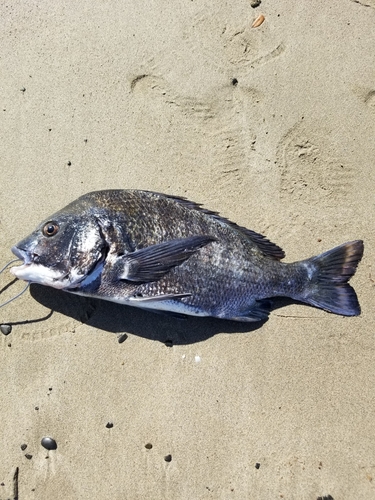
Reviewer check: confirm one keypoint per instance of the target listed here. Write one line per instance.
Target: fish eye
(50, 229)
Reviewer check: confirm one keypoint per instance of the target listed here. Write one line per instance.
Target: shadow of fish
(164, 253)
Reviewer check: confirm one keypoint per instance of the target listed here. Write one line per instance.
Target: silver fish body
(165, 253)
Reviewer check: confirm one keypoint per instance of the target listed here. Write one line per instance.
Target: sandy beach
(273, 126)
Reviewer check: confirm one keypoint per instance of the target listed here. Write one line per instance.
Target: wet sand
(272, 126)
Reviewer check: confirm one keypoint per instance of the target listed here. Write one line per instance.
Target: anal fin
(257, 312)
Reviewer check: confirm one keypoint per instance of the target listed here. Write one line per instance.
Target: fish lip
(21, 254)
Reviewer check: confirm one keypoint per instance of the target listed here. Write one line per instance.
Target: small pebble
(48, 443)
(169, 343)
(6, 329)
(28, 456)
(255, 3)
(23, 447)
(109, 425)
(168, 458)
(148, 446)
(122, 338)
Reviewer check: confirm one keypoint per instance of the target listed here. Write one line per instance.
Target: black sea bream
(166, 253)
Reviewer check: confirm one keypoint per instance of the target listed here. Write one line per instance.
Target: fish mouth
(21, 254)
(33, 272)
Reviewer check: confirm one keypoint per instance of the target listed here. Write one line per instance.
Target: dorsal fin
(266, 246)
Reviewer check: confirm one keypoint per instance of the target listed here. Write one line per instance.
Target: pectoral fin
(151, 263)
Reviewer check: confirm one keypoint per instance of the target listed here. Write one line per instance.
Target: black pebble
(168, 458)
(148, 446)
(169, 343)
(122, 338)
(28, 456)
(48, 443)
(109, 425)
(257, 465)
(6, 329)
(23, 447)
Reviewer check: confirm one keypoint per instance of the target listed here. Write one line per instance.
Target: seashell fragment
(258, 21)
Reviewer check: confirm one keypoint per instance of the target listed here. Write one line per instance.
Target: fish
(164, 253)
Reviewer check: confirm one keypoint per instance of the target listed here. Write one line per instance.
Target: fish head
(63, 251)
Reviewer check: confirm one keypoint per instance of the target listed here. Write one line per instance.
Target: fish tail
(329, 274)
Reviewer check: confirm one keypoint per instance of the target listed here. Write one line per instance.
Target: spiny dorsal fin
(266, 246)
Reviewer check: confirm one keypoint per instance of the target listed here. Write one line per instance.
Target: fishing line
(18, 294)
(9, 263)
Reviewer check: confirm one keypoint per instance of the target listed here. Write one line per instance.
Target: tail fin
(331, 271)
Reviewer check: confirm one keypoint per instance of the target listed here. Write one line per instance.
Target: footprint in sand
(309, 174)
